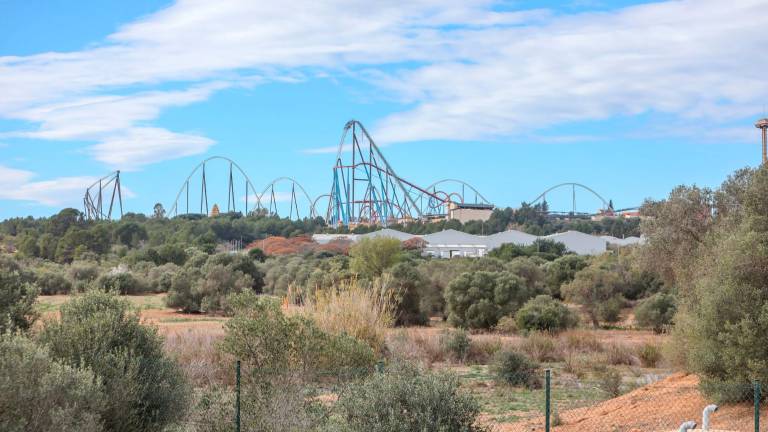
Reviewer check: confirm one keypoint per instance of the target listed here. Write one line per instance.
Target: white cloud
(469, 70)
(138, 146)
(696, 60)
(16, 184)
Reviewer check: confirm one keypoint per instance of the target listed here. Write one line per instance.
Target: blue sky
(628, 97)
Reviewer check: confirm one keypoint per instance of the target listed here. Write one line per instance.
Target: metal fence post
(237, 397)
(758, 396)
(547, 396)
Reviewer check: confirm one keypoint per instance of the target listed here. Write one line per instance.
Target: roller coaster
(365, 190)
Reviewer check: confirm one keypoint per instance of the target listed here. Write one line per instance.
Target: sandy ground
(661, 406)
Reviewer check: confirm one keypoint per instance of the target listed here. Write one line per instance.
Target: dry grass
(416, 345)
(617, 353)
(581, 341)
(542, 347)
(199, 357)
(362, 310)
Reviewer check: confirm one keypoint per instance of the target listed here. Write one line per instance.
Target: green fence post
(547, 395)
(758, 396)
(237, 397)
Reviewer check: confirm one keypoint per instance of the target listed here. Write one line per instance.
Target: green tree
(144, 390)
(408, 282)
(563, 270)
(598, 291)
(479, 299)
(370, 257)
(656, 312)
(17, 297)
(543, 313)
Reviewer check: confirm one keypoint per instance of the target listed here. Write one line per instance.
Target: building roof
(623, 241)
(580, 243)
(389, 232)
(453, 237)
(510, 236)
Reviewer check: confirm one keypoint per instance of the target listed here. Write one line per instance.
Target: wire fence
(551, 400)
(610, 402)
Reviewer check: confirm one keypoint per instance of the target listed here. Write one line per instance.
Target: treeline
(67, 236)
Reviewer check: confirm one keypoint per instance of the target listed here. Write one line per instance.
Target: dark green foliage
(144, 390)
(304, 273)
(515, 369)
(206, 289)
(52, 281)
(480, 299)
(405, 399)
(543, 313)
(408, 282)
(563, 270)
(656, 312)
(542, 248)
(121, 281)
(130, 233)
(257, 255)
(41, 395)
(598, 291)
(17, 297)
(240, 263)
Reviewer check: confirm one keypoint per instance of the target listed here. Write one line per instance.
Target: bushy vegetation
(406, 399)
(17, 297)
(515, 369)
(543, 313)
(143, 389)
(656, 312)
(480, 299)
(41, 394)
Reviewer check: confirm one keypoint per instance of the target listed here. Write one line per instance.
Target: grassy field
(192, 338)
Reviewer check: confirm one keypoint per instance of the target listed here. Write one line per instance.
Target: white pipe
(685, 427)
(708, 410)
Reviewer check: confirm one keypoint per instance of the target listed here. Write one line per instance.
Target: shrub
(257, 254)
(273, 343)
(543, 313)
(506, 325)
(121, 281)
(479, 299)
(83, 271)
(649, 354)
(609, 381)
(457, 343)
(619, 354)
(407, 282)
(514, 368)
(143, 389)
(370, 257)
(160, 278)
(17, 298)
(52, 282)
(39, 394)
(562, 271)
(362, 310)
(656, 312)
(238, 263)
(206, 290)
(598, 291)
(542, 347)
(405, 399)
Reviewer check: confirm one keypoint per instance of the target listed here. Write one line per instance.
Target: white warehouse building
(451, 243)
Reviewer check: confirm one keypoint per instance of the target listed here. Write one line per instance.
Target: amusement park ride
(365, 190)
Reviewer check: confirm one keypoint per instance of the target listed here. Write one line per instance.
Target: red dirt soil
(661, 406)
